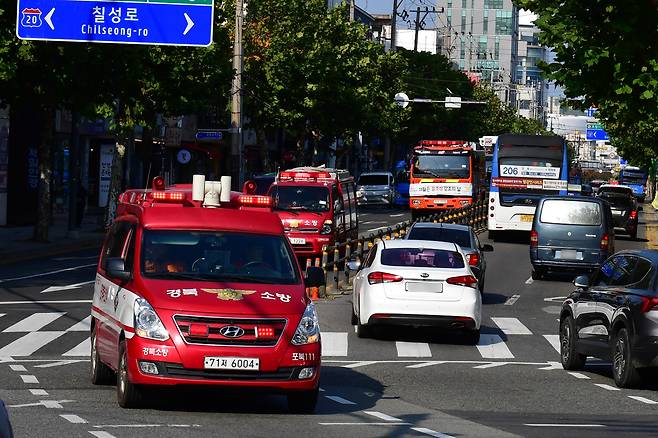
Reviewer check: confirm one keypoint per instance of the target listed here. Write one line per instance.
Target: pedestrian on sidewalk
(81, 203)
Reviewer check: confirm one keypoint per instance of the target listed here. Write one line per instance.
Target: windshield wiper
(176, 275)
(246, 279)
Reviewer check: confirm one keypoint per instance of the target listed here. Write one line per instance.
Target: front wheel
(570, 358)
(623, 370)
(101, 374)
(303, 402)
(129, 395)
(537, 274)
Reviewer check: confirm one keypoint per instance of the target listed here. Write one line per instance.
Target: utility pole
(394, 18)
(352, 9)
(237, 165)
(420, 22)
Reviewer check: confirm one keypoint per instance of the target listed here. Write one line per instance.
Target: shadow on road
(493, 298)
(518, 237)
(430, 335)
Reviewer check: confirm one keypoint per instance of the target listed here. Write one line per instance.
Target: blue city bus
(635, 178)
(401, 175)
(523, 169)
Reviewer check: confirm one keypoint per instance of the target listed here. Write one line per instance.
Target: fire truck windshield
(217, 256)
(300, 198)
(442, 166)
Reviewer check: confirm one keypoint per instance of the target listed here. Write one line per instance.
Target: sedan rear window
(373, 180)
(460, 237)
(555, 211)
(422, 257)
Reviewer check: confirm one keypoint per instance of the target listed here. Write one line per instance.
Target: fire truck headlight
(147, 322)
(308, 330)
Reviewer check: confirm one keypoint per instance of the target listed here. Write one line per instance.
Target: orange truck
(445, 174)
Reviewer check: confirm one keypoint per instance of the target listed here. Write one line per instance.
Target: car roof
(615, 186)
(376, 173)
(441, 225)
(571, 198)
(431, 244)
(650, 254)
(212, 219)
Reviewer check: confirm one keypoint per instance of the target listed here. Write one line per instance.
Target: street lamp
(450, 101)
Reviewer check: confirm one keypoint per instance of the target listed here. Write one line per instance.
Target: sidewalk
(16, 243)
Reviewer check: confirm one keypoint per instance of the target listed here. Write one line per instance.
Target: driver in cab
(159, 260)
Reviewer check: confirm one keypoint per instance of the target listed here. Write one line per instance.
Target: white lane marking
(66, 287)
(579, 375)
(34, 322)
(511, 300)
(413, 349)
(381, 416)
(28, 378)
(607, 387)
(362, 363)
(493, 347)
(38, 392)
(54, 404)
(562, 425)
(643, 400)
(59, 363)
(376, 229)
(101, 434)
(42, 274)
(333, 344)
(367, 222)
(340, 400)
(398, 215)
(81, 326)
(18, 368)
(82, 349)
(552, 366)
(529, 281)
(511, 326)
(29, 343)
(554, 340)
(425, 364)
(555, 299)
(73, 418)
(489, 365)
(431, 432)
(364, 424)
(47, 302)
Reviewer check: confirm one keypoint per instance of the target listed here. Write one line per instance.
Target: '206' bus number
(510, 170)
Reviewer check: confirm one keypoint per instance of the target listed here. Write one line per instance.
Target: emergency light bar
(168, 196)
(305, 176)
(255, 201)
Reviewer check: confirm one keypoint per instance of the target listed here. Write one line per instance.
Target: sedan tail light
(605, 241)
(383, 277)
(633, 215)
(534, 238)
(464, 280)
(473, 259)
(649, 304)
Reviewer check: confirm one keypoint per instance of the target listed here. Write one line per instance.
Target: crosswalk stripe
(334, 343)
(82, 349)
(493, 347)
(28, 344)
(81, 326)
(34, 322)
(413, 349)
(554, 340)
(511, 326)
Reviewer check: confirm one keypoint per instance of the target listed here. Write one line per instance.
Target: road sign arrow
(190, 23)
(49, 18)
(67, 287)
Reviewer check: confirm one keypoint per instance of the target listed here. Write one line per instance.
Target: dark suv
(614, 316)
(624, 211)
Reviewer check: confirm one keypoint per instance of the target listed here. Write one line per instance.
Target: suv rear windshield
(556, 211)
(300, 198)
(619, 201)
(217, 256)
(373, 180)
(460, 237)
(622, 190)
(426, 258)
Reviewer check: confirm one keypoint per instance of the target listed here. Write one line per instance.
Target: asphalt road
(401, 383)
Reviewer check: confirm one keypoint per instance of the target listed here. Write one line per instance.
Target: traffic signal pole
(237, 158)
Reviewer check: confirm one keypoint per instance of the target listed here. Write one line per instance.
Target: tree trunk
(44, 209)
(115, 183)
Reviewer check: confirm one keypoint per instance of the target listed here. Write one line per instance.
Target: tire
(537, 274)
(570, 358)
(355, 320)
(493, 235)
(623, 370)
(472, 337)
(303, 402)
(129, 395)
(100, 373)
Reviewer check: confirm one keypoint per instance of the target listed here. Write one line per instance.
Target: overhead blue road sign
(597, 134)
(209, 135)
(162, 22)
(590, 112)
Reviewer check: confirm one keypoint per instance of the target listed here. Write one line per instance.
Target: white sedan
(416, 283)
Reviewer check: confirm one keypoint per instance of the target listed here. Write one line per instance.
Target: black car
(624, 211)
(614, 316)
(462, 235)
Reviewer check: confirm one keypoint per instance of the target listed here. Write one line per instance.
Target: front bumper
(374, 199)
(442, 322)
(313, 243)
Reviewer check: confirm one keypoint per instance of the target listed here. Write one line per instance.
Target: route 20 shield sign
(31, 17)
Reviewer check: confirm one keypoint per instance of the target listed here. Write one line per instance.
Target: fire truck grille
(253, 332)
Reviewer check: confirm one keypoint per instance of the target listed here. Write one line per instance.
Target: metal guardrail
(334, 258)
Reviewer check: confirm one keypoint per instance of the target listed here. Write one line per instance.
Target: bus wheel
(493, 235)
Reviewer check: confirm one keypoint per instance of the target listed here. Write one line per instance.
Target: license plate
(231, 363)
(440, 201)
(617, 213)
(569, 254)
(297, 241)
(424, 286)
(527, 217)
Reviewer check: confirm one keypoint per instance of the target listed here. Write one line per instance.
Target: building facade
(531, 87)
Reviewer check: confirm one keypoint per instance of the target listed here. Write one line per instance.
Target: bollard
(359, 249)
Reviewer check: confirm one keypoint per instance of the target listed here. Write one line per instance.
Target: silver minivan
(375, 188)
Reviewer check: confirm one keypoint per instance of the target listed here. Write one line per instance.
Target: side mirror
(486, 248)
(354, 265)
(116, 268)
(314, 277)
(582, 282)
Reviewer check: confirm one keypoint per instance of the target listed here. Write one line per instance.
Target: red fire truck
(198, 285)
(445, 174)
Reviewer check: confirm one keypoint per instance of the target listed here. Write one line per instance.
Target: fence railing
(334, 258)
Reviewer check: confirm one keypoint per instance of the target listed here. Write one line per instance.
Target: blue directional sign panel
(162, 22)
(590, 112)
(597, 134)
(209, 135)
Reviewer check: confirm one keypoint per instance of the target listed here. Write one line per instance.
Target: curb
(49, 250)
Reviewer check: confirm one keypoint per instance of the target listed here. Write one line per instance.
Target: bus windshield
(442, 166)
